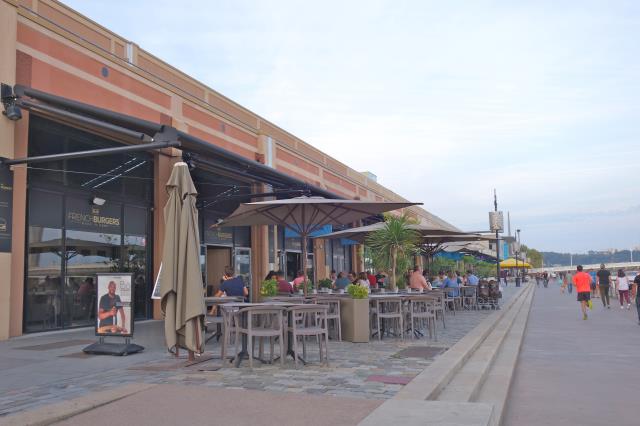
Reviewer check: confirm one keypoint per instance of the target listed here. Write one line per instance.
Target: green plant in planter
(357, 291)
(308, 285)
(269, 288)
(325, 283)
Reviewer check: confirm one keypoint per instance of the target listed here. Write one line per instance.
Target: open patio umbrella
(304, 215)
(511, 263)
(181, 280)
(360, 233)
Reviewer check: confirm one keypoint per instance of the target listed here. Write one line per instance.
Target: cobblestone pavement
(352, 366)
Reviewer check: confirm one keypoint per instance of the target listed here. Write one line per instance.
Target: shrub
(269, 288)
(357, 291)
(325, 283)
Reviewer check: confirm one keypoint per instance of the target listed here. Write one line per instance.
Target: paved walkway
(575, 372)
(45, 369)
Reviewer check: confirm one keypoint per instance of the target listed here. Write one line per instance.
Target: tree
(394, 245)
(535, 257)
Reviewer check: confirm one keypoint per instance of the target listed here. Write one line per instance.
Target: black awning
(200, 150)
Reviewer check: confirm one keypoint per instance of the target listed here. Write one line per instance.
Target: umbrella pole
(304, 260)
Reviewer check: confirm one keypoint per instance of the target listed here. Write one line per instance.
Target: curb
(53, 413)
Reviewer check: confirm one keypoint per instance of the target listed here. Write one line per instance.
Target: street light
(518, 271)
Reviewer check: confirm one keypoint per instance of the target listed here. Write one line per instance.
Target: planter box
(354, 316)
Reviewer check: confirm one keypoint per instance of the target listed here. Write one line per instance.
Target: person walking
(604, 279)
(622, 285)
(582, 281)
(594, 285)
(569, 279)
(636, 285)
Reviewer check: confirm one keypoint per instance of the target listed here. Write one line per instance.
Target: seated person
(373, 283)
(363, 280)
(380, 279)
(472, 279)
(298, 280)
(232, 286)
(417, 280)
(452, 282)
(284, 286)
(342, 282)
(439, 280)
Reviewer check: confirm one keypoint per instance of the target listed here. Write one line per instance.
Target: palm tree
(393, 245)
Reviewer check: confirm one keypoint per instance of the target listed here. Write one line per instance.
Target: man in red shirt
(373, 283)
(582, 282)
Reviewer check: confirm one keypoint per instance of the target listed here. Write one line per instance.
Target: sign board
(114, 316)
(156, 287)
(496, 221)
(6, 208)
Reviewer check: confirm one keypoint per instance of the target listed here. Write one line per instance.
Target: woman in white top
(622, 284)
(362, 280)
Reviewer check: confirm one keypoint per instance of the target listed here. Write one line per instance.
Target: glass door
(242, 265)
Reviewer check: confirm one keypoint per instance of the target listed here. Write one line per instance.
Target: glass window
(43, 300)
(242, 236)
(135, 261)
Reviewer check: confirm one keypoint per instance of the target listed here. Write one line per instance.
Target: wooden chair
(260, 322)
(421, 310)
(469, 297)
(333, 315)
(306, 321)
(389, 312)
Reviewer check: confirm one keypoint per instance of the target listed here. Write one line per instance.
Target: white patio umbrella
(304, 215)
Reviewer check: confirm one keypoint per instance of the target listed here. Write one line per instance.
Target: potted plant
(269, 288)
(305, 287)
(354, 314)
(325, 283)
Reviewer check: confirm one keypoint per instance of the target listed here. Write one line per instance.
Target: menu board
(114, 310)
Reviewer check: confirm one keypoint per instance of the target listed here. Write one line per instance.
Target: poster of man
(114, 316)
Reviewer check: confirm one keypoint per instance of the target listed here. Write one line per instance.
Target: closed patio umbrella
(304, 215)
(181, 287)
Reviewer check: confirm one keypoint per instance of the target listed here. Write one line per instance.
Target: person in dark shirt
(109, 307)
(380, 277)
(603, 277)
(284, 286)
(232, 286)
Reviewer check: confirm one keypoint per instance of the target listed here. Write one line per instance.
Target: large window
(71, 237)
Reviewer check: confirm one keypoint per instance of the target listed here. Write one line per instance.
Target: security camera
(97, 201)
(12, 111)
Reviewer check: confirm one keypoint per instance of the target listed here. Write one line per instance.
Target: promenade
(575, 372)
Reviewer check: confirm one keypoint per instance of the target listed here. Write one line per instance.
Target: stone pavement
(37, 371)
(575, 372)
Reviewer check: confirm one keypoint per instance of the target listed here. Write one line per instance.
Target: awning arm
(90, 153)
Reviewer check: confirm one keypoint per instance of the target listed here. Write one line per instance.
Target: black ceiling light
(11, 110)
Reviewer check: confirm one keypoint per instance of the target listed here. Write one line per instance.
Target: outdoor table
(243, 354)
(210, 302)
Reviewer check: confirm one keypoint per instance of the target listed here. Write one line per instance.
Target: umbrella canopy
(511, 263)
(360, 233)
(181, 287)
(304, 215)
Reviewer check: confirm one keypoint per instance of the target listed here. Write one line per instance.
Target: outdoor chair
(469, 297)
(439, 307)
(307, 321)
(483, 299)
(333, 315)
(260, 322)
(452, 301)
(389, 316)
(421, 311)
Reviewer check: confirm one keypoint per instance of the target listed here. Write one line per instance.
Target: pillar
(8, 287)
(259, 249)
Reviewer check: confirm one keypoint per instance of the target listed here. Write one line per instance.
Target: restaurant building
(71, 85)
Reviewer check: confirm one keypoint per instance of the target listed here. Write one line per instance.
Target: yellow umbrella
(511, 263)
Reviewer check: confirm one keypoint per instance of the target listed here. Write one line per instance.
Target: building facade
(81, 88)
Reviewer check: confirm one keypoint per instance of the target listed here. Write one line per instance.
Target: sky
(443, 101)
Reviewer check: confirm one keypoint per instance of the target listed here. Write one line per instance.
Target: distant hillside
(556, 259)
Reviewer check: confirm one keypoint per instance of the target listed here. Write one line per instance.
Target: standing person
(622, 285)
(594, 283)
(452, 282)
(604, 279)
(569, 281)
(582, 281)
(636, 285)
(471, 278)
(373, 283)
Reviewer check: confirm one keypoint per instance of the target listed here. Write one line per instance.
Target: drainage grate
(56, 345)
(425, 352)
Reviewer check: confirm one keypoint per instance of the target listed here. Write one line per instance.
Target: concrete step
(495, 389)
(464, 386)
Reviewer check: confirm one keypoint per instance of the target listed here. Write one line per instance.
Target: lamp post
(496, 224)
(518, 271)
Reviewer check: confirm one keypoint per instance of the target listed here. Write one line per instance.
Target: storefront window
(86, 216)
